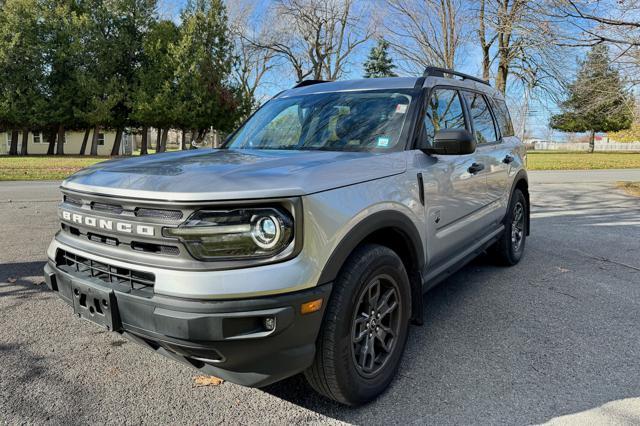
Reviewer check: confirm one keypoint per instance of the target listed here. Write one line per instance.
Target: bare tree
(615, 23)
(596, 22)
(317, 37)
(426, 32)
(485, 41)
(518, 37)
(253, 61)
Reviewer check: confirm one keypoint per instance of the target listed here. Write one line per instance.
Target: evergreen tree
(154, 97)
(379, 64)
(22, 70)
(597, 100)
(203, 57)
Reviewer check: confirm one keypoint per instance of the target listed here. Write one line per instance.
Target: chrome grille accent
(159, 213)
(71, 262)
(108, 208)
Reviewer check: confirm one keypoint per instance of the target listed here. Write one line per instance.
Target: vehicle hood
(221, 174)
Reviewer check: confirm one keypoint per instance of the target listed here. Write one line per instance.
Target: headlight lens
(235, 234)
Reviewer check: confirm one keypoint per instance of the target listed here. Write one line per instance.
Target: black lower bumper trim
(252, 342)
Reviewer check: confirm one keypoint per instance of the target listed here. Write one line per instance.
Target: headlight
(246, 233)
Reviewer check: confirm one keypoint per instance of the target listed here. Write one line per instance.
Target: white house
(38, 143)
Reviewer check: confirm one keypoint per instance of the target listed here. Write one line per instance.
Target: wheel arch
(392, 229)
(521, 182)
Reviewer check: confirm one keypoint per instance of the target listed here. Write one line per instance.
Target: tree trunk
(115, 150)
(52, 141)
(592, 141)
(501, 77)
(85, 139)
(484, 45)
(145, 141)
(60, 145)
(13, 148)
(158, 139)
(94, 141)
(183, 144)
(163, 142)
(25, 142)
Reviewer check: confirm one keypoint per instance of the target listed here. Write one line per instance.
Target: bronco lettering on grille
(109, 225)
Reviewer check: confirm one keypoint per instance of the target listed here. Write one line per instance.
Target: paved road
(556, 338)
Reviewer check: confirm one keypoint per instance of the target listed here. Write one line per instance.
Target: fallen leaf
(12, 280)
(562, 269)
(207, 381)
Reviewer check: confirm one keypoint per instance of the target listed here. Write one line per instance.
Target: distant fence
(600, 147)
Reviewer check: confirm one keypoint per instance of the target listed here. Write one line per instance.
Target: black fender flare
(385, 219)
(522, 176)
(375, 222)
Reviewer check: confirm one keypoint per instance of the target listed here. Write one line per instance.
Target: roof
(353, 85)
(387, 83)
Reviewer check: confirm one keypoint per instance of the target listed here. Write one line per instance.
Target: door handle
(508, 159)
(475, 168)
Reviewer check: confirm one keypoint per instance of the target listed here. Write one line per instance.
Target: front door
(454, 185)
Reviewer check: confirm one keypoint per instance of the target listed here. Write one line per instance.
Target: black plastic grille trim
(107, 273)
(73, 201)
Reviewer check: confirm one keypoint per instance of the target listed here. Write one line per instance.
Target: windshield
(342, 121)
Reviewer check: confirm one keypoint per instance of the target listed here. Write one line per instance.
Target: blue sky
(540, 109)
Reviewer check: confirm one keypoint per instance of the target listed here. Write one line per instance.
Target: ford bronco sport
(306, 243)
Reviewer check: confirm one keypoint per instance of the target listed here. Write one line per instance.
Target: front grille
(108, 208)
(159, 213)
(73, 201)
(71, 262)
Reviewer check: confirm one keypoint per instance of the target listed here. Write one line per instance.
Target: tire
(344, 369)
(508, 250)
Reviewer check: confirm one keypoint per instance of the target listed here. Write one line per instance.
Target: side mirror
(452, 142)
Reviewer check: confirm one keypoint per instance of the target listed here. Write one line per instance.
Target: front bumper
(224, 338)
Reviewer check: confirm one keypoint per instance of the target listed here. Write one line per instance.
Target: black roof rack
(304, 83)
(440, 72)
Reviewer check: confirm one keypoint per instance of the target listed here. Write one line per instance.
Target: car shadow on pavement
(499, 347)
(23, 278)
(30, 374)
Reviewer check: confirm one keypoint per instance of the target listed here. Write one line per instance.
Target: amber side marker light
(310, 307)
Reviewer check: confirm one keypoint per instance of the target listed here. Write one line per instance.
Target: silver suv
(306, 243)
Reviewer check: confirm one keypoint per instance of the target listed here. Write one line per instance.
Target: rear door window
(483, 125)
(502, 116)
(444, 111)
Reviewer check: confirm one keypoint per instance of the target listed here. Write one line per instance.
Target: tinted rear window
(503, 117)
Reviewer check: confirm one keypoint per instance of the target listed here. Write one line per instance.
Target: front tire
(508, 250)
(365, 327)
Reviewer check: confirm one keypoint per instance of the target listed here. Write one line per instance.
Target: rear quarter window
(502, 117)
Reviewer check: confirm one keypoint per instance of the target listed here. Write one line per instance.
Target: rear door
(491, 151)
(454, 191)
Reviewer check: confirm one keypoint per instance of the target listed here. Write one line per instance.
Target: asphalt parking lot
(556, 338)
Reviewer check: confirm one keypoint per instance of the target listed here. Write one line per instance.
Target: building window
(100, 139)
(40, 137)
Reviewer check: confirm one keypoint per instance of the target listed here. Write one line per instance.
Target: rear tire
(508, 250)
(365, 327)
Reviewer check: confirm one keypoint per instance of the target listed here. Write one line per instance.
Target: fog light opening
(269, 323)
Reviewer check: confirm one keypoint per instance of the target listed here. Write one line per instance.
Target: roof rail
(304, 83)
(440, 72)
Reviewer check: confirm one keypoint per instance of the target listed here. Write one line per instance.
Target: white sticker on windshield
(383, 141)
(401, 108)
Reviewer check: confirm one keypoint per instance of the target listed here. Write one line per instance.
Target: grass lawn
(581, 160)
(56, 168)
(43, 167)
(632, 188)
